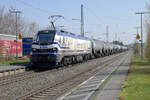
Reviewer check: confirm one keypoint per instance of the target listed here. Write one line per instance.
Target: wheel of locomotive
(102, 54)
(81, 60)
(70, 61)
(64, 62)
(90, 56)
(78, 59)
(34, 65)
(60, 64)
(85, 57)
(73, 60)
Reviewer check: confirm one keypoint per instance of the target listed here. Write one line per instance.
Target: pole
(16, 38)
(82, 21)
(107, 33)
(116, 36)
(141, 13)
(137, 28)
(16, 14)
(141, 37)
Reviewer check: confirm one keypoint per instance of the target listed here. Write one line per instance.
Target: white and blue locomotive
(58, 47)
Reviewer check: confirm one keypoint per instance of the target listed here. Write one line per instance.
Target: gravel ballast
(11, 91)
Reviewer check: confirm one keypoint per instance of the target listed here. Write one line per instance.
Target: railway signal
(20, 36)
(137, 36)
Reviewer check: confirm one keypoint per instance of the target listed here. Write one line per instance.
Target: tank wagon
(58, 47)
(101, 48)
(8, 45)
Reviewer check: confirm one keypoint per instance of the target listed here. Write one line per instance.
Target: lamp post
(141, 13)
(16, 12)
(81, 21)
(107, 33)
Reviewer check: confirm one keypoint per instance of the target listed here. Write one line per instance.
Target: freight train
(61, 48)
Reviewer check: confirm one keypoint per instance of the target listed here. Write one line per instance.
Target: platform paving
(91, 89)
(112, 88)
(9, 67)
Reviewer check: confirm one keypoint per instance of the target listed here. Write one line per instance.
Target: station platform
(105, 85)
(112, 88)
(11, 67)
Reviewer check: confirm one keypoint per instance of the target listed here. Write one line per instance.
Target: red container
(8, 45)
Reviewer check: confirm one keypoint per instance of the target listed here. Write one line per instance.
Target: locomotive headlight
(54, 49)
(33, 49)
(35, 46)
(30, 53)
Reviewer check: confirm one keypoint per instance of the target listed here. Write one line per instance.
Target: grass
(137, 86)
(14, 62)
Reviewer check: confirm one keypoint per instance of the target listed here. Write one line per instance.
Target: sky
(119, 15)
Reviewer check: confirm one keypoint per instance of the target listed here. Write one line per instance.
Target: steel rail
(25, 76)
(43, 92)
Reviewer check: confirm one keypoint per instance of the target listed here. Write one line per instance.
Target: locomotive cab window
(45, 36)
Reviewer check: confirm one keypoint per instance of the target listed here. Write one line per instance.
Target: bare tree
(33, 28)
(1, 19)
(8, 24)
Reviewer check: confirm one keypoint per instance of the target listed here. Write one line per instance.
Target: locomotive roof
(66, 33)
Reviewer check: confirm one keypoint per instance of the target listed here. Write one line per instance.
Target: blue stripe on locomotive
(60, 45)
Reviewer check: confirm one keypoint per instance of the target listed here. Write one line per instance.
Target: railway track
(53, 91)
(6, 80)
(11, 78)
(22, 76)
